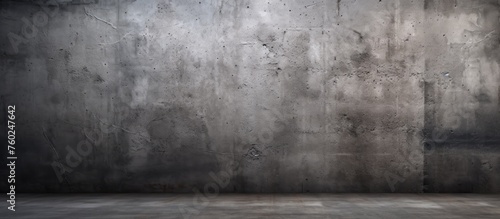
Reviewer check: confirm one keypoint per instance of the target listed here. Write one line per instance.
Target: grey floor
(256, 206)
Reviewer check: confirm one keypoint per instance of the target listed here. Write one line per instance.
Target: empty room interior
(250, 108)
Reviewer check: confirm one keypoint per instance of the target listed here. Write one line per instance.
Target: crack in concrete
(100, 19)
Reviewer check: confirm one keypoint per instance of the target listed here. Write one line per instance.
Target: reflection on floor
(256, 206)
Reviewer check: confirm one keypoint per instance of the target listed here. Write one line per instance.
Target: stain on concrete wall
(461, 92)
(291, 96)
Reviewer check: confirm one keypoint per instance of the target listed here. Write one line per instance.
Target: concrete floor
(257, 206)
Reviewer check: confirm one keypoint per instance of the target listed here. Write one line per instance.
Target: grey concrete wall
(253, 96)
(462, 93)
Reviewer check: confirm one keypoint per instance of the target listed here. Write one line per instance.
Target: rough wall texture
(253, 96)
(462, 96)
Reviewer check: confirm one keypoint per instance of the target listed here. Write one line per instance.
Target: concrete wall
(253, 96)
(462, 96)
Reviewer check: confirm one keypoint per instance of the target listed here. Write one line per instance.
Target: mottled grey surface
(276, 206)
(253, 96)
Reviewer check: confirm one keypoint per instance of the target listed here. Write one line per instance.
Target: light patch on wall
(140, 92)
(315, 51)
(456, 29)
